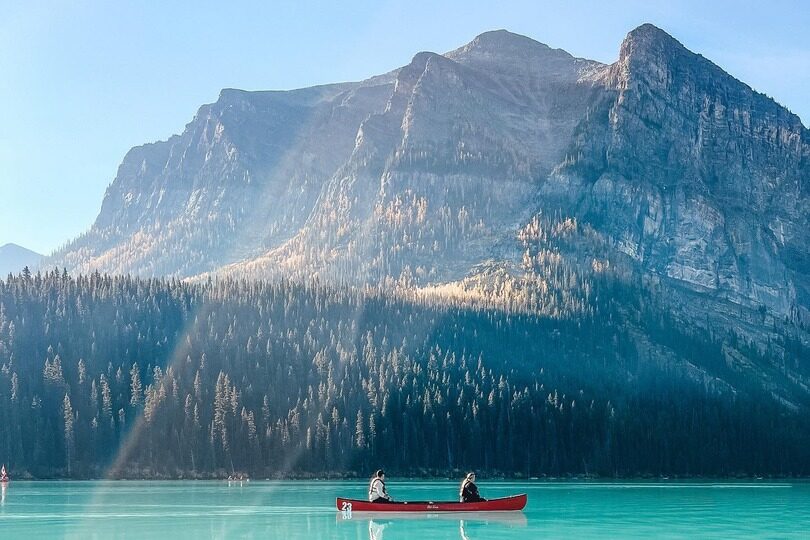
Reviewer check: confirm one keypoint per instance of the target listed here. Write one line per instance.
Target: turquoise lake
(303, 509)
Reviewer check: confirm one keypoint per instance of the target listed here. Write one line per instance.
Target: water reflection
(461, 531)
(375, 530)
(469, 523)
(2, 493)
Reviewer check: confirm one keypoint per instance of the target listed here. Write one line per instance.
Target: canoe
(515, 502)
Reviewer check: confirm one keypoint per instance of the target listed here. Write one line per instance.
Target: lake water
(298, 509)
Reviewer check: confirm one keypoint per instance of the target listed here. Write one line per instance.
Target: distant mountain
(506, 174)
(14, 258)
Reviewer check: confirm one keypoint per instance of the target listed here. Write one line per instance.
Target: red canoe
(515, 502)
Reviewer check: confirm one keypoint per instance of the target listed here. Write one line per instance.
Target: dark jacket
(469, 492)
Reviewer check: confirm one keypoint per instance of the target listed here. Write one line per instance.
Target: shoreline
(394, 478)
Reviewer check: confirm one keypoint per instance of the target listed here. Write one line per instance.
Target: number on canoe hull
(346, 509)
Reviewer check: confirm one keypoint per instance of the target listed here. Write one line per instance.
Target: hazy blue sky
(83, 81)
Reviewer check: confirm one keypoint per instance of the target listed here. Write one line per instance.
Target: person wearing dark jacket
(469, 491)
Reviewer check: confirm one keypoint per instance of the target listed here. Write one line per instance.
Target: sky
(84, 81)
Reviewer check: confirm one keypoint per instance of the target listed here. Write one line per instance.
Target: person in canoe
(376, 488)
(469, 491)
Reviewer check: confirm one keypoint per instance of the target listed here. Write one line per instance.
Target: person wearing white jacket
(376, 488)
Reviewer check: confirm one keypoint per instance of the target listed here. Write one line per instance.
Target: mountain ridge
(13, 258)
(503, 173)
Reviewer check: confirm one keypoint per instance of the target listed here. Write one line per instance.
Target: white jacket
(376, 490)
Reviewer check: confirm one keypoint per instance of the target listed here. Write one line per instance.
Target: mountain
(14, 258)
(255, 170)
(699, 180)
(504, 174)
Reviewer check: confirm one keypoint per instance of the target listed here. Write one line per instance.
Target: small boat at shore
(503, 504)
(3, 475)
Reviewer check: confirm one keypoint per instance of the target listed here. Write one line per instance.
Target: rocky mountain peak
(417, 65)
(650, 36)
(521, 60)
(408, 77)
(649, 50)
(501, 46)
(503, 41)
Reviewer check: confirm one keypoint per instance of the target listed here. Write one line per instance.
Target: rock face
(14, 258)
(505, 172)
(242, 177)
(448, 169)
(695, 176)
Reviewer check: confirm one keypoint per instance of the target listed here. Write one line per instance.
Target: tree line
(124, 377)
